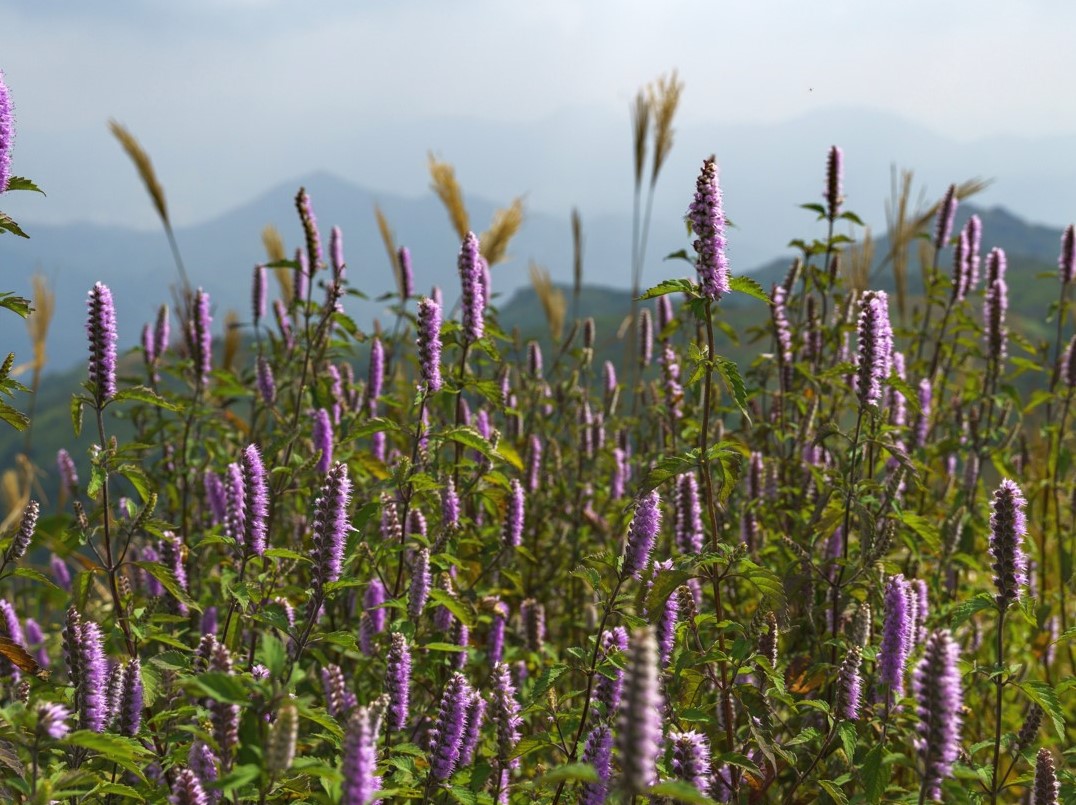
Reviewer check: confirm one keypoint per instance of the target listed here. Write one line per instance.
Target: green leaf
(579, 772)
(169, 581)
(547, 680)
(30, 573)
(240, 776)
(17, 419)
(1046, 697)
(847, 732)
(924, 528)
(835, 793)
(16, 304)
(679, 255)
(114, 747)
(22, 183)
(221, 687)
(662, 588)
(146, 395)
(509, 454)
(669, 467)
(749, 286)
(469, 437)
(118, 789)
(734, 383)
(963, 611)
(453, 605)
(668, 286)
(8, 225)
(680, 792)
(76, 414)
(875, 776)
(371, 426)
(321, 717)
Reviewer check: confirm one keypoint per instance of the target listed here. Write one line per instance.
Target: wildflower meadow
(314, 559)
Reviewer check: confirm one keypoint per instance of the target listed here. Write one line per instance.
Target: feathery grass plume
(389, 242)
(359, 766)
(875, 352)
(37, 325)
(512, 533)
(420, 584)
(398, 681)
(7, 133)
(707, 219)
(446, 736)
(187, 789)
(849, 684)
(551, 299)
(255, 500)
(323, 439)
(101, 328)
(472, 734)
(429, 343)
(1066, 261)
(939, 695)
(896, 637)
(639, 727)
(258, 292)
(1047, 789)
(642, 533)
(504, 226)
(1008, 526)
(472, 301)
(443, 182)
(598, 752)
(859, 262)
(310, 230)
(943, 227)
(273, 243)
(691, 759)
(143, 165)
(663, 98)
(201, 338)
(834, 173)
(505, 716)
(283, 735)
(52, 721)
(640, 127)
(330, 526)
(21, 541)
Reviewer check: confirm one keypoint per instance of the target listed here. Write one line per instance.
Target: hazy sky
(231, 97)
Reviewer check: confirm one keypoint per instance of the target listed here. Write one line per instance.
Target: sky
(231, 97)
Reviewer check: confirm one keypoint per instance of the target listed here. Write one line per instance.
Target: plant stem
(994, 784)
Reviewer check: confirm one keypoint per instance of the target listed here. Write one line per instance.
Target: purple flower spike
(1008, 526)
(834, 174)
(995, 305)
(707, 220)
(1047, 789)
(495, 645)
(446, 737)
(330, 526)
(642, 533)
(283, 323)
(896, 636)
(266, 381)
(203, 762)
(407, 277)
(187, 789)
(375, 376)
(60, 572)
(534, 464)
(429, 343)
(875, 347)
(162, 334)
(505, 715)
(52, 721)
(258, 293)
(639, 728)
(688, 515)
(215, 497)
(235, 503)
(450, 506)
(27, 526)
(66, 467)
(608, 691)
(512, 534)
(476, 716)
(420, 584)
(256, 501)
(943, 227)
(937, 689)
(1068, 364)
(373, 617)
(336, 253)
(101, 327)
(646, 337)
(398, 681)
(360, 759)
(7, 134)
(996, 265)
(310, 229)
(92, 675)
(691, 759)
(1066, 262)
(849, 684)
(323, 439)
(473, 302)
(922, 424)
(130, 710)
(598, 752)
(202, 337)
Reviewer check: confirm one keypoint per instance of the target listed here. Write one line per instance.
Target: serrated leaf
(924, 528)
(963, 611)
(76, 415)
(680, 791)
(730, 373)
(22, 183)
(34, 575)
(19, 305)
(239, 777)
(453, 605)
(168, 580)
(750, 287)
(846, 730)
(17, 419)
(835, 793)
(668, 286)
(875, 776)
(579, 772)
(145, 395)
(221, 687)
(1046, 697)
(662, 588)
(7, 224)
